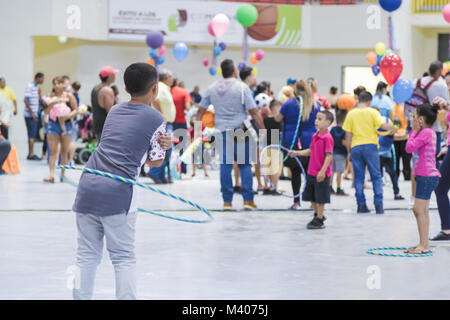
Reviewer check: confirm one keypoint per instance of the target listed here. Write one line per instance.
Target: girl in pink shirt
(422, 140)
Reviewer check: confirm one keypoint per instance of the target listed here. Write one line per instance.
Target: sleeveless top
(99, 114)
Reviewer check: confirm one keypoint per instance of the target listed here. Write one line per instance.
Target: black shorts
(317, 192)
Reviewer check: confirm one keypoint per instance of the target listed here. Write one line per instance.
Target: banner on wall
(131, 20)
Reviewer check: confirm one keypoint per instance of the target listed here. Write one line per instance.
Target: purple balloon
(222, 46)
(376, 69)
(155, 39)
(241, 66)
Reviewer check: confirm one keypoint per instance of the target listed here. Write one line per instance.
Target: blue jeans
(363, 155)
(160, 172)
(226, 182)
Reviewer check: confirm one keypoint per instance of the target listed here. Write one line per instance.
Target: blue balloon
(379, 58)
(212, 71)
(222, 46)
(403, 90)
(153, 53)
(375, 69)
(217, 51)
(161, 60)
(241, 66)
(180, 51)
(390, 5)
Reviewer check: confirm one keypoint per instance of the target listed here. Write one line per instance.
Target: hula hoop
(277, 146)
(132, 182)
(375, 252)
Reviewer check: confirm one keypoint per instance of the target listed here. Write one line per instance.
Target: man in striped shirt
(32, 97)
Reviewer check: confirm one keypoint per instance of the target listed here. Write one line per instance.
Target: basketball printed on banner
(265, 26)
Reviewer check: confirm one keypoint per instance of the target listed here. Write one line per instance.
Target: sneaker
(275, 193)
(441, 236)
(267, 192)
(362, 208)
(379, 209)
(340, 192)
(315, 223)
(332, 190)
(237, 189)
(294, 208)
(35, 158)
(398, 197)
(324, 218)
(227, 206)
(250, 205)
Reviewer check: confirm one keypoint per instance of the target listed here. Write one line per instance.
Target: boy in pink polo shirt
(317, 189)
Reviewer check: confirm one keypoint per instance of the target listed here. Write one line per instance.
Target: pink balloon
(161, 51)
(260, 54)
(446, 13)
(205, 62)
(219, 24)
(210, 29)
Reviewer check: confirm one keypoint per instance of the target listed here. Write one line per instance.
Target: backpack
(418, 98)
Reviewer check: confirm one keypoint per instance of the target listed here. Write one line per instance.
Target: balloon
(371, 58)
(255, 71)
(380, 48)
(150, 61)
(445, 70)
(155, 39)
(253, 58)
(260, 54)
(212, 71)
(161, 51)
(217, 51)
(219, 24)
(153, 53)
(219, 71)
(388, 51)
(205, 62)
(379, 58)
(247, 15)
(210, 29)
(241, 66)
(346, 102)
(161, 60)
(180, 51)
(403, 90)
(391, 67)
(390, 5)
(375, 69)
(446, 13)
(222, 46)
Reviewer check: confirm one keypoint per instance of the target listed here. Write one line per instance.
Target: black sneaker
(332, 190)
(275, 193)
(340, 192)
(379, 209)
(267, 192)
(324, 218)
(362, 208)
(398, 197)
(441, 236)
(315, 223)
(35, 158)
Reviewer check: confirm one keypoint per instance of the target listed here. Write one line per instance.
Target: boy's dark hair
(38, 75)
(328, 115)
(139, 78)
(358, 90)
(227, 68)
(274, 103)
(341, 114)
(76, 85)
(435, 67)
(447, 74)
(244, 73)
(428, 112)
(365, 97)
(333, 90)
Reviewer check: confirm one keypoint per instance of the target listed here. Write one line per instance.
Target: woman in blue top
(289, 114)
(382, 101)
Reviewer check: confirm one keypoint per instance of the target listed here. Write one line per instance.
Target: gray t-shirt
(437, 89)
(129, 136)
(231, 99)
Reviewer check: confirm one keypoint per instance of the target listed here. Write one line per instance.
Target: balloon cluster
(155, 40)
(217, 28)
(257, 56)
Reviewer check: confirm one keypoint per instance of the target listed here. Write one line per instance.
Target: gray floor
(267, 254)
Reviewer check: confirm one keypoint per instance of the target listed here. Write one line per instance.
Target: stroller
(85, 149)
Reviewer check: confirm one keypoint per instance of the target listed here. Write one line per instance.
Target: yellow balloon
(219, 71)
(380, 48)
(255, 71)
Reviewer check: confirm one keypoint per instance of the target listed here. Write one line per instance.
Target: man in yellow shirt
(361, 127)
(7, 101)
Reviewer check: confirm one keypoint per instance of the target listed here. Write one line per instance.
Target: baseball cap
(107, 71)
(291, 81)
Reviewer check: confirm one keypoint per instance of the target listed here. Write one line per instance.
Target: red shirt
(320, 146)
(180, 97)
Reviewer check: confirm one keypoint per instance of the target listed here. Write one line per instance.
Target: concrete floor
(267, 254)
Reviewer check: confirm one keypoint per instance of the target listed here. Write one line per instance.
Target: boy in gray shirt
(134, 133)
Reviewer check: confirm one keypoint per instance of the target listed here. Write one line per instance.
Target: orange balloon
(150, 61)
(445, 70)
(346, 102)
(371, 58)
(253, 58)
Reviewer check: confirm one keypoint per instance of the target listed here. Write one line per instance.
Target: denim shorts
(32, 127)
(425, 186)
(55, 128)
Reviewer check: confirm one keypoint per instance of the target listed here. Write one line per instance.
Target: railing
(428, 6)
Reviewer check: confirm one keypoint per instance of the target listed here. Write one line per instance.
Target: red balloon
(391, 67)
